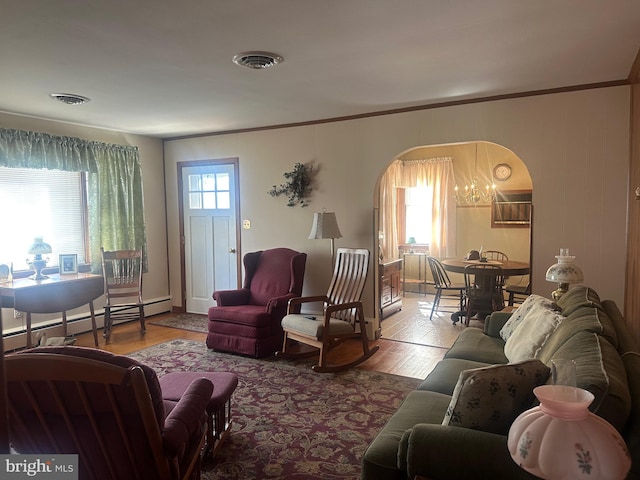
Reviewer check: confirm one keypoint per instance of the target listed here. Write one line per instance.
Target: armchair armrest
(282, 300)
(444, 452)
(494, 323)
(187, 417)
(226, 298)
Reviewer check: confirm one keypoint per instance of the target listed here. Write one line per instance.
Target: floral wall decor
(297, 187)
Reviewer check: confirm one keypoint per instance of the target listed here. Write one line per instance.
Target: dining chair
(122, 272)
(495, 255)
(341, 318)
(445, 287)
(517, 292)
(483, 290)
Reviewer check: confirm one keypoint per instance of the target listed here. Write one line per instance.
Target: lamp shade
(38, 247)
(564, 271)
(562, 439)
(324, 225)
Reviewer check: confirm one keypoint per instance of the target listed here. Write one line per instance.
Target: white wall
(156, 281)
(575, 145)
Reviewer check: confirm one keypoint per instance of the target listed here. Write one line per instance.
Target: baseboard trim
(16, 338)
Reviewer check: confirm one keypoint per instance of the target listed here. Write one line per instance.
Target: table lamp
(564, 272)
(38, 248)
(325, 226)
(561, 438)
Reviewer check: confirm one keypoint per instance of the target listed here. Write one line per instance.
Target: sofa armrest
(494, 323)
(226, 298)
(187, 417)
(442, 452)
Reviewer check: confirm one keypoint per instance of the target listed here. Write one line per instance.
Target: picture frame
(68, 263)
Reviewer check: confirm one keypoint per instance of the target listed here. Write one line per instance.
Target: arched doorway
(474, 225)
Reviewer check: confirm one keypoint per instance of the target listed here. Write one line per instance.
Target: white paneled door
(209, 216)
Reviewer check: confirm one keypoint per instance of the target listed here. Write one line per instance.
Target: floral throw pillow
(490, 398)
(532, 303)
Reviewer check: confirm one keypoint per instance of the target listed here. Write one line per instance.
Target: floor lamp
(325, 226)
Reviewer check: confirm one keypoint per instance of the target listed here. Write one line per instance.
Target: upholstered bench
(219, 407)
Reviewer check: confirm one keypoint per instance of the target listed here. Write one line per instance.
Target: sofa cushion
(600, 370)
(490, 398)
(583, 319)
(533, 303)
(380, 460)
(473, 344)
(578, 297)
(444, 377)
(531, 333)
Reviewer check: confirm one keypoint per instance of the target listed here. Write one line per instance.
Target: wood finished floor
(425, 341)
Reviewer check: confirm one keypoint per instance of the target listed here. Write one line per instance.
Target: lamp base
(37, 266)
(562, 289)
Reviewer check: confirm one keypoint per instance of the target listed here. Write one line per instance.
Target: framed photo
(68, 263)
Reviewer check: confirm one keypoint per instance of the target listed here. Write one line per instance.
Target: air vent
(70, 98)
(257, 60)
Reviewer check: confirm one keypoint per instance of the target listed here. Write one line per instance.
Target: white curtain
(434, 172)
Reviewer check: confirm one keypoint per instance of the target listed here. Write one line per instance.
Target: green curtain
(116, 210)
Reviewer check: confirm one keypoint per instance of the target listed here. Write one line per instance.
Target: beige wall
(156, 281)
(575, 146)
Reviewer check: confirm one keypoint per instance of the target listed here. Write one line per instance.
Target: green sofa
(415, 442)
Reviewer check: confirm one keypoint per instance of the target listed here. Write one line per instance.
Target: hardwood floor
(394, 357)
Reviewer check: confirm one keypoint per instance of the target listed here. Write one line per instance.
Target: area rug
(289, 422)
(184, 321)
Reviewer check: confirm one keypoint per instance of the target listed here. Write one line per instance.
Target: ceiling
(164, 68)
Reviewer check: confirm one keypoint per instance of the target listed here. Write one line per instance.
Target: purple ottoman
(219, 407)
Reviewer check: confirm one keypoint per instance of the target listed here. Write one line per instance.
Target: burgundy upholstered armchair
(108, 409)
(247, 321)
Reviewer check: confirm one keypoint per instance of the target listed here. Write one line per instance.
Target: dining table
(509, 268)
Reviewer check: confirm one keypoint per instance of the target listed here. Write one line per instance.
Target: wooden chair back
(349, 277)
(439, 274)
(495, 255)
(72, 405)
(122, 271)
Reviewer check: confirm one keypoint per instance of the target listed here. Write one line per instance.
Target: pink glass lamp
(561, 439)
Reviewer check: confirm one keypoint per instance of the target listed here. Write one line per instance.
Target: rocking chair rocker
(342, 314)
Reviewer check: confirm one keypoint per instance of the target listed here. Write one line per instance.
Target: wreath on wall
(297, 187)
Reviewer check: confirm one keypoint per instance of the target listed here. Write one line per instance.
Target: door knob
(232, 250)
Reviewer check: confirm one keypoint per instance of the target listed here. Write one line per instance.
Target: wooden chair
(483, 290)
(107, 409)
(495, 255)
(342, 315)
(517, 293)
(122, 271)
(445, 287)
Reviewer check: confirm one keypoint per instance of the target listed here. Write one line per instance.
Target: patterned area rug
(289, 422)
(184, 321)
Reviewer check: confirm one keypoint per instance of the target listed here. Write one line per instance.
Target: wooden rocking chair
(342, 315)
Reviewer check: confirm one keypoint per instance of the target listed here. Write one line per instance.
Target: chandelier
(473, 194)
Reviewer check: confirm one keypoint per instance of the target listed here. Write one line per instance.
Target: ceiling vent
(70, 98)
(257, 60)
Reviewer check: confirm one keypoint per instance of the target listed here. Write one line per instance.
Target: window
(46, 203)
(209, 191)
(418, 220)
